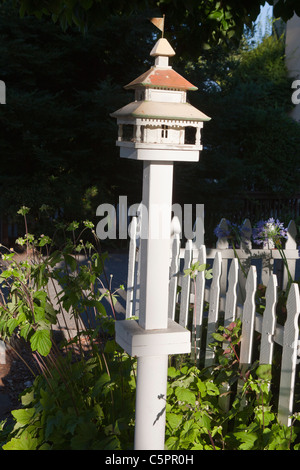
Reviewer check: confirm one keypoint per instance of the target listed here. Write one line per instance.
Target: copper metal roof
(162, 78)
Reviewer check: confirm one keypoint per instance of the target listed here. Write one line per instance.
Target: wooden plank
(289, 357)
(231, 295)
(248, 318)
(248, 321)
(198, 306)
(229, 317)
(174, 272)
(213, 312)
(269, 322)
(223, 244)
(185, 286)
(244, 256)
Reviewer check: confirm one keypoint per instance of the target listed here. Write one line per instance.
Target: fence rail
(231, 295)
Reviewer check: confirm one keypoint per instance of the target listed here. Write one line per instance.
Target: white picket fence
(230, 295)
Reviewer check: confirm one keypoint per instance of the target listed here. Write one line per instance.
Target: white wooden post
(155, 247)
(154, 298)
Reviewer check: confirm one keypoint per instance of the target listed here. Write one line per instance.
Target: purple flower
(269, 230)
(233, 232)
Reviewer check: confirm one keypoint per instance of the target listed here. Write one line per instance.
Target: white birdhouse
(159, 127)
(160, 119)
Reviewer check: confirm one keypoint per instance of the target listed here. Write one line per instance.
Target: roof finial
(159, 23)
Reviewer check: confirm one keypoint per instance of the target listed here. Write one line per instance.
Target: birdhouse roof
(161, 78)
(163, 111)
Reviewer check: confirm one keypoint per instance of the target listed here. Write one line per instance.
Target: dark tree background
(57, 141)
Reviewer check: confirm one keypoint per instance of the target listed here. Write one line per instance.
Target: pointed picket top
(222, 242)
(175, 226)
(202, 254)
(246, 233)
(291, 236)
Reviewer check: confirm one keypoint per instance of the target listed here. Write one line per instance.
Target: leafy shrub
(84, 396)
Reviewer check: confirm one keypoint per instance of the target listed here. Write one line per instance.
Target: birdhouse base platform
(137, 341)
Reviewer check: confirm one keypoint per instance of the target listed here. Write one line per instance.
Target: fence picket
(174, 272)
(289, 357)
(198, 306)
(229, 317)
(228, 285)
(213, 308)
(222, 244)
(269, 323)
(231, 295)
(185, 286)
(248, 318)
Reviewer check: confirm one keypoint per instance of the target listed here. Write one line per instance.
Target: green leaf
(24, 331)
(247, 439)
(183, 394)
(264, 371)
(218, 337)
(23, 416)
(41, 342)
(212, 389)
(25, 442)
(85, 433)
(70, 261)
(23, 210)
(12, 324)
(172, 372)
(27, 398)
(190, 431)
(174, 420)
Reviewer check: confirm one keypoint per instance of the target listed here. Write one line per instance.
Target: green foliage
(55, 130)
(251, 144)
(197, 267)
(221, 22)
(84, 396)
(197, 418)
(77, 406)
